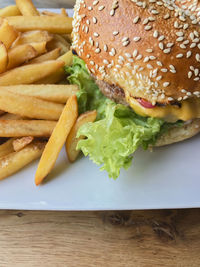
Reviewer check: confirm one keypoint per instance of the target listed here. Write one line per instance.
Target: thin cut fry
(9, 11)
(20, 54)
(33, 37)
(59, 42)
(9, 116)
(53, 24)
(30, 73)
(21, 128)
(72, 141)
(7, 33)
(27, 8)
(49, 92)
(3, 57)
(57, 139)
(20, 143)
(50, 13)
(40, 47)
(59, 75)
(30, 107)
(17, 160)
(6, 148)
(52, 55)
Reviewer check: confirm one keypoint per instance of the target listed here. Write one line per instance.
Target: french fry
(50, 13)
(57, 139)
(20, 143)
(52, 55)
(59, 42)
(59, 75)
(52, 24)
(48, 92)
(72, 141)
(30, 107)
(27, 8)
(15, 161)
(10, 116)
(40, 47)
(22, 128)
(20, 54)
(6, 148)
(7, 33)
(9, 11)
(33, 37)
(3, 57)
(30, 73)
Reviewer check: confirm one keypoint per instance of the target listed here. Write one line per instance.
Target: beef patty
(113, 92)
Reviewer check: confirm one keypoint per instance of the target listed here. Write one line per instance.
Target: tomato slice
(145, 103)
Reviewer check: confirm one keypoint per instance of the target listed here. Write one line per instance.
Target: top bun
(151, 48)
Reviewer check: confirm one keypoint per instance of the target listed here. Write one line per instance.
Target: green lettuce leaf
(118, 131)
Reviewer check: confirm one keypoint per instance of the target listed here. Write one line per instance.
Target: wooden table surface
(129, 238)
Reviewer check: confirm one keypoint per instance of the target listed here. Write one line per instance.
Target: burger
(138, 64)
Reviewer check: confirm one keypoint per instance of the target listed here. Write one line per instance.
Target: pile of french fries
(38, 109)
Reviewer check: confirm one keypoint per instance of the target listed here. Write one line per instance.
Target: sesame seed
(95, 3)
(161, 46)
(161, 38)
(136, 39)
(179, 56)
(97, 51)
(166, 84)
(101, 8)
(155, 34)
(115, 33)
(189, 74)
(149, 50)
(148, 27)
(135, 52)
(105, 48)
(128, 55)
(136, 19)
(197, 57)
(170, 99)
(149, 66)
(94, 20)
(167, 51)
(126, 43)
(164, 70)
(96, 34)
(159, 78)
(189, 53)
(180, 39)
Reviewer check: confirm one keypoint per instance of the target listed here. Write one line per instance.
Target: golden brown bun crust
(152, 51)
(178, 134)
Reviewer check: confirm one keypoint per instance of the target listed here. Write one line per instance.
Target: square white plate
(167, 178)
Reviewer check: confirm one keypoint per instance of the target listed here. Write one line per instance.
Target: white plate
(166, 178)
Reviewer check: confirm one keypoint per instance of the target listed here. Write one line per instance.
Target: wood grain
(135, 238)
(44, 3)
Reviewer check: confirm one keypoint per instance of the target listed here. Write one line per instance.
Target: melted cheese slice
(190, 109)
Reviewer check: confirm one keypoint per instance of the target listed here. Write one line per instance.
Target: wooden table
(129, 238)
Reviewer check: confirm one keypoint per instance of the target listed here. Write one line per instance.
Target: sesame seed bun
(178, 134)
(150, 49)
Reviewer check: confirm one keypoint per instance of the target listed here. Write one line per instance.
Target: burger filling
(118, 130)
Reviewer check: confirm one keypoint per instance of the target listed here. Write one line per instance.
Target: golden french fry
(30, 107)
(53, 24)
(59, 75)
(57, 139)
(9, 11)
(9, 116)
(72, 141)
(40, 47)
(52, 55)
(27, 8)
(67, 37)
(15, 161)
(7, 33)
(20, 143)
(20, 54)
(3, 57)
(64, 12)
(6, 148)
(33, 37)
(22, 128)
(50, 13)
(59, 42)
(49, 92)
(28, 74)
